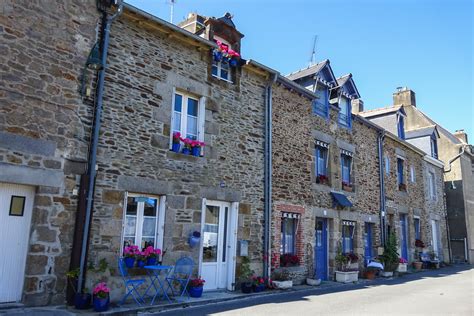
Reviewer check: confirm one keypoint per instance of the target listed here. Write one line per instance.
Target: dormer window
(223, 60)
(345, 111)
(434, 147)
(321, 104)
(401, 127)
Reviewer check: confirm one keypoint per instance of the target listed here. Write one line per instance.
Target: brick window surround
(276, 226)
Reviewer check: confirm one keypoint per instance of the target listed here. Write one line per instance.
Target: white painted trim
(203, 214)
(161, 223)
(124, 213)
(233, 219)
(172, 118)
(201, 121)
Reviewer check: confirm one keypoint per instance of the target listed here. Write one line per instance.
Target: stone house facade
(307, 196)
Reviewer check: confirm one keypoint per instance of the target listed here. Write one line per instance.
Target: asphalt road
(448, 291)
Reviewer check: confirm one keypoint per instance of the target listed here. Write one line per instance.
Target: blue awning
(341, 199)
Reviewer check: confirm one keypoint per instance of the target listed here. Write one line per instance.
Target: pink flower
(101, 290)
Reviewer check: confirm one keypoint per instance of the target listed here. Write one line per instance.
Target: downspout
(91, 169)
(268, 178)
(380, 139)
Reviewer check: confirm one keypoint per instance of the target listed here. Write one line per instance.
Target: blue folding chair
(181, 274)
(131, 285)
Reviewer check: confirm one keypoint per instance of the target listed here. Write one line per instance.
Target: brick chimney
(404, 96)
(461, 135)
(357, 106)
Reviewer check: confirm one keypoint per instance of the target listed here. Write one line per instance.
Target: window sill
(222, 79)
(180, 156)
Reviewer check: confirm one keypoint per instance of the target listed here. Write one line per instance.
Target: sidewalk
(225, 296)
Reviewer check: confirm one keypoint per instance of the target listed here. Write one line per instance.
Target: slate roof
(227, 19)
(380, 111)
(311, 70)
(343, 79)
(420, 132)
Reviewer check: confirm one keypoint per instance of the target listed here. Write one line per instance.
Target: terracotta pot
(417, 265)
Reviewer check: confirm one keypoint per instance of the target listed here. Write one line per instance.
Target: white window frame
(218, 65)
(184, 115)
(432, 185)
(159, 225)
(387, 165)
(412, 174)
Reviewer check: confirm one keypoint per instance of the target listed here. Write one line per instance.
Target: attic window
(223, 60)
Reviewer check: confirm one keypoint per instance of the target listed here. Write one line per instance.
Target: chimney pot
(404, 96)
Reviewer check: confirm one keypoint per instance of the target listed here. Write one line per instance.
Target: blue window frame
(401, 127)
(417, 228)
(434, 147)
(348, 230)
(346, 162)
(321, 104)
(345, 112)
(288, 236)
(400, 177)
(321, 161)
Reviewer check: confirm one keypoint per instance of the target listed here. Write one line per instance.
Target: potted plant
(194, 239)
(141, 259)
(196, 147)
(370, 273)
(402, 265)
(101, 299)
(151, 255)
(289, 260)
(322, 179)
(195, 287)
(82, 300)
(346, 186)
(130, 254)
(282, 279)
(245, 276)
(390, 257)
(176, 142)
(187, 146)
(344, 273)
(258, 284)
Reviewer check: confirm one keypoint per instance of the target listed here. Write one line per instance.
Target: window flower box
(347, 187)
(322, 179)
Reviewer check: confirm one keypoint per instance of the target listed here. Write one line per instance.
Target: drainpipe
(268, 178)
(91, 170)
(380, 139)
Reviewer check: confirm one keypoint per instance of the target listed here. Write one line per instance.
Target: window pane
(150, 207)
(176, 122)
(192, 107)
(178, 101)
(211, 233)
(149, 225)
(130, 225)
(214, 70)
(148, 241)
(289, 235)
(131, 206)
(224, 74)
(192, 126)
(128, 241)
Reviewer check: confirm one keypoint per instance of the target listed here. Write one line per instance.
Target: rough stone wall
(44, 45)
(145, 65)
(295, 129)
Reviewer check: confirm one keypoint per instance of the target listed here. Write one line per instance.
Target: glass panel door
(211, 234)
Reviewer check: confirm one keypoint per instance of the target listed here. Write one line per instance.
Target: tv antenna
(312, 60)
(171, 3)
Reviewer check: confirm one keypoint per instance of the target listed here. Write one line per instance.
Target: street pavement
(448, 291)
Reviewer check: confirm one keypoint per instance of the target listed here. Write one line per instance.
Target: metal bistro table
(154, 272)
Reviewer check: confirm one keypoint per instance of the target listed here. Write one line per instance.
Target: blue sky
(426, 45)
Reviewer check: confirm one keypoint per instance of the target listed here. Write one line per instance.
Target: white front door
(16, 205)
(218, 245)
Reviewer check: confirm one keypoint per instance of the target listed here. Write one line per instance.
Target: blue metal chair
(181, 274)
(131, 285)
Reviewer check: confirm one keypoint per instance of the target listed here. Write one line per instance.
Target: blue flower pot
(176, 147)
(141, 263)
(193, 241)
(233, 62)
(259, 288)
(186, 151)
(217, 55)
(151, 261)
(101, 304)
(196, 151)
(82, 301)
(129, 262)
(195, 291)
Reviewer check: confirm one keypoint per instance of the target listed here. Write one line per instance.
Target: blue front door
(403, 236)
(368, 242)
(321, 249)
